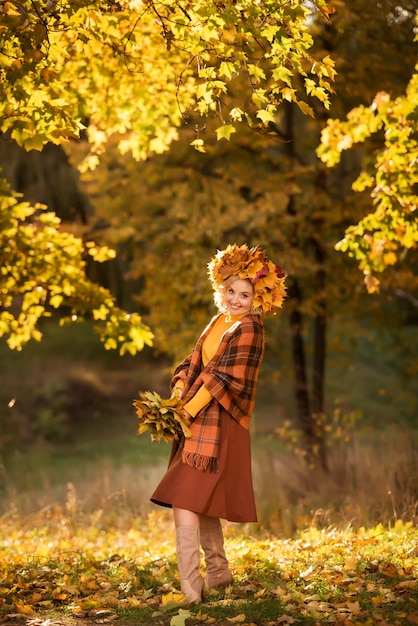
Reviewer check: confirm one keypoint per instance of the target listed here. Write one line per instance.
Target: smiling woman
(218, 381)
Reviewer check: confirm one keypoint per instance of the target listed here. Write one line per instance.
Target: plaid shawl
(231, 377)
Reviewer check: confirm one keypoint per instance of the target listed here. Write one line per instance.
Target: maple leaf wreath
(252, 263)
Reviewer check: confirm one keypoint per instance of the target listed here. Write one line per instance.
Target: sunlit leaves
(305, 108)
(385, 235)
(44, 268)
(225, 131)
(122, 330)
(198, 144)
(227, 69)
(136, 70)
(266, 116)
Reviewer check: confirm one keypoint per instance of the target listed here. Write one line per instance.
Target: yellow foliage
(308, 568)
(164, 419)
(44, 265)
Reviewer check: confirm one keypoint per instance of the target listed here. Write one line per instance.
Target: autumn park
(137, 139)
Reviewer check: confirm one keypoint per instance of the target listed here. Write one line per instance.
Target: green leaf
(256, 71)
(225, 131)
(226, 69)
(180, 618)
(266, 116)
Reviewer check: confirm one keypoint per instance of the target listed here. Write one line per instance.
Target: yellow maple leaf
(354, 607)
(26, 609)
(350, 563)
(372, 283)
(173, 597)
(407, 584)
(238, 619)
(389, 258)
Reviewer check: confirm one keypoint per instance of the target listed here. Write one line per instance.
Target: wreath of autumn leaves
(252, 263)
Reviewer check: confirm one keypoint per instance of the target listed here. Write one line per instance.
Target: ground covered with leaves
(57, 568)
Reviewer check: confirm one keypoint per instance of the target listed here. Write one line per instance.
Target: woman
(209, 474)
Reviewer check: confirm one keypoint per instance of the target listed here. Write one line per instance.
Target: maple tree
(137, 70)
(327, 194)
(43, 268)
(387, 233)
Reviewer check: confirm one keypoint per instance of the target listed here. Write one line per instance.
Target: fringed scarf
(201, 450)
(231, 377)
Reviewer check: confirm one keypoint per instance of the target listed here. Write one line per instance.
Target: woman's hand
(177, 393)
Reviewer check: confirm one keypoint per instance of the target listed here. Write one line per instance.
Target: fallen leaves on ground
(91, 571)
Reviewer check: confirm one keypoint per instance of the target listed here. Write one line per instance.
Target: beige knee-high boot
(212, 541)
(188, 560)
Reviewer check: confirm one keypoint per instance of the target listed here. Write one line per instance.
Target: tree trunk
(300, 369)
(319, 359)
(320, 325)
(310, 409)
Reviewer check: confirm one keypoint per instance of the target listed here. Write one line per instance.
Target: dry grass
(370, 480)
(373, 480)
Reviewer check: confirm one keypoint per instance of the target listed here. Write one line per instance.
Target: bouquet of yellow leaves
(164, 419)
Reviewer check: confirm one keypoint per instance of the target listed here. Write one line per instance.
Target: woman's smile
(239, 297)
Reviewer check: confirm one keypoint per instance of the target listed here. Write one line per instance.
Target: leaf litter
(64, 569)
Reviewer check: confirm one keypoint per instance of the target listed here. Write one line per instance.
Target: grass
(68, 564)
(371, 480)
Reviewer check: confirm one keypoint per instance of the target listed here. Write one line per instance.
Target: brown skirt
(227, 493)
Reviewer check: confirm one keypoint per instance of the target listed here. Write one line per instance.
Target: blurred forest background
(335, 431)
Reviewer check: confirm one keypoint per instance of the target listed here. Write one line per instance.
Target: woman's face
(239, 297)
